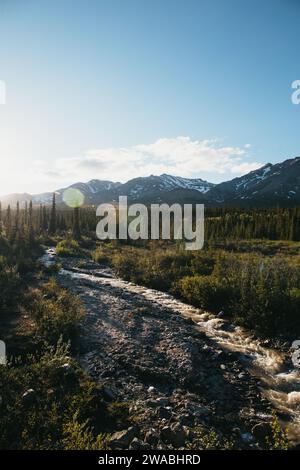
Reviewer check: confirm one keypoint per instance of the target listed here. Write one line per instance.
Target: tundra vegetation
(249, 268)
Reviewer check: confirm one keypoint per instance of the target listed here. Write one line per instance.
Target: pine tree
(76, 224)
(26, 214)
(52, 223)
(44, 219)
(30, 224)
(8, 222)
(16, 229)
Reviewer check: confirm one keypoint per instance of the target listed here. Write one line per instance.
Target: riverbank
(151, 352)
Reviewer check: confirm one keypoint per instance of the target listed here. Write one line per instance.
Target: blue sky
(113, 89)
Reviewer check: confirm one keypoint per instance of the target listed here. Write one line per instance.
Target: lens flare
(72, 197)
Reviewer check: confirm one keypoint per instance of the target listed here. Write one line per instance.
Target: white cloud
(181, 156)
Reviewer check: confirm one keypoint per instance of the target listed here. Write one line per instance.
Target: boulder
(200, 410)
(178, 435)
(162, 401)
(173, 435)
(122, 439)
(166, 434)
(186, 420)
(151, 437)
(137, 444)
(163, 413)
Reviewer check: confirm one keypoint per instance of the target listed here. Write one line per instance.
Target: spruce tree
(30, 224)
(76, 224)
(8, 222)
(52, 223)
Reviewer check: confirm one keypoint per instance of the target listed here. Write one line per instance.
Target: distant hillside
(270, 185)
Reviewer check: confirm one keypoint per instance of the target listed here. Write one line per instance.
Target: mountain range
(270, 185)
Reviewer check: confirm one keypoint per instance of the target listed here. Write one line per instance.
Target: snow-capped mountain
(142, 188)
(89, 189)
(270, 185)
(147, 189)
(175, 182)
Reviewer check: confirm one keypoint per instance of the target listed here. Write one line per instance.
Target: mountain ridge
(269, 185)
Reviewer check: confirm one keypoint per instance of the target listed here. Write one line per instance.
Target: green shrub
(278, 439)
(9, 287)
(259, 292)
(64, 410)
(79, 436)
(205, 292)
(100, 256)
(56, 312)
(67, 248)
(208, 439)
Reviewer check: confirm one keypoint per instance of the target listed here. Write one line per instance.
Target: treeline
(220, 223)
(31, 222)
(271, 224)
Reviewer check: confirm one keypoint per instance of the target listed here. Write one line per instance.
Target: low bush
(278, 439)
(49, 403)
(100, 256)
(55, 311)
(259, 292)
(9, 287)
(205, 292)
(67, 248)
(209, 439)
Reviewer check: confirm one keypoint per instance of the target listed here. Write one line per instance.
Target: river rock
(151, 437)
(137, 444)
(163, 413)
(186, 420)
(122, 439)
(162, 401)
(173, 435)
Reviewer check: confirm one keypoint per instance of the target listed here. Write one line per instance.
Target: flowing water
(278, 379)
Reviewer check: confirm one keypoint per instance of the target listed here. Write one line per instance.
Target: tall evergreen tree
(8, 221)
(16, 228)
(30, 223)
(52, 223)
(76, 224)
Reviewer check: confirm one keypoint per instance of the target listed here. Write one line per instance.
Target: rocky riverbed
(155, 358)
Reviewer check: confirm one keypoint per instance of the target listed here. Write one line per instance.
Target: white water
(279, 380)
